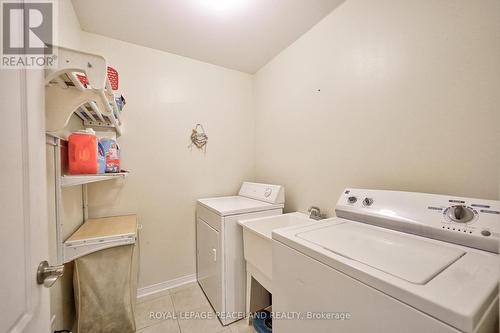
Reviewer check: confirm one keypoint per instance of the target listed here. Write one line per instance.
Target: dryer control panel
(465, 221)
(274, 194)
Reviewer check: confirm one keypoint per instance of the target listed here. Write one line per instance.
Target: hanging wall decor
(199, 138)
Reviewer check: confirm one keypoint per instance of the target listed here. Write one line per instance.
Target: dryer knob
(268, 192)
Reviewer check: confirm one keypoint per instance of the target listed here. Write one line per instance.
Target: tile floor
(185, 299)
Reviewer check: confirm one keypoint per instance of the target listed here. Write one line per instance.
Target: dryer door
(208, 262)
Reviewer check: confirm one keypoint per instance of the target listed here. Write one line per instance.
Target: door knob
(48, 275)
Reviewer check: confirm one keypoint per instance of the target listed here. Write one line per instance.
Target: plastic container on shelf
(112, 153)
(120, 101)
(101, 158)
(113, 78)
(83, 153)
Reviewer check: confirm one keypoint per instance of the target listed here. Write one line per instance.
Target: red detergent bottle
(82, 153)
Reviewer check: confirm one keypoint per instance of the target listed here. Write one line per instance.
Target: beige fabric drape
(105, 286)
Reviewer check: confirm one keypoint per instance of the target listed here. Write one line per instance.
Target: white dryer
(220, 265)
(390, 262)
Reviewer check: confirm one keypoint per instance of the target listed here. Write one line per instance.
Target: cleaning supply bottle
(82, 153)
(101, 158)
(112, 153)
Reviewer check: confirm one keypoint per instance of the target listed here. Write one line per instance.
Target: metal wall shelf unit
(94, 103)
(72, 248)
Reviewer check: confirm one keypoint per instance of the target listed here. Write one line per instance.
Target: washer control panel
(466, 221)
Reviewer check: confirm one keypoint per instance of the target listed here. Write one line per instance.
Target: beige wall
(386, 94)
(69, 31)
(166, 96)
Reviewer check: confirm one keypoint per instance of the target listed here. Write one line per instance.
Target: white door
(208, 262)
(24, 305)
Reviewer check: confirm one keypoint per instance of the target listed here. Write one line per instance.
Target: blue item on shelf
(112, 154)
(120, 101)
(263, 322)
(101, 158)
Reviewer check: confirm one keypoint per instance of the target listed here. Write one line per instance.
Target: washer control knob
(486, 233)
(460, 214)
(352, 199)
(268, 192)
(367, 202)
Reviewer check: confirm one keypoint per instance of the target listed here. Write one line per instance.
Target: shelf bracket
(58, 198)
(60, 104)
(69, 61)
(65, 94)
(85, 200)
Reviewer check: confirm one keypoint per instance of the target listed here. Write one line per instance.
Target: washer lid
(415, 260)
(459, 294)
(236, 205)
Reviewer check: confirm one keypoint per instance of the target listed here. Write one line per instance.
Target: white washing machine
(390, 262)
(220, 265)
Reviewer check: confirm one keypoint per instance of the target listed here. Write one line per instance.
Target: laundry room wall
(167, 95)
(388, 94)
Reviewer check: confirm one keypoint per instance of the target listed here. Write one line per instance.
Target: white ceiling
(238, 34)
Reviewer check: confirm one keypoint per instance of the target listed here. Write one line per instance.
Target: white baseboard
(162, 286)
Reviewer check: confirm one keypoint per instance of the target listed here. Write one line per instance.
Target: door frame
(33, 311)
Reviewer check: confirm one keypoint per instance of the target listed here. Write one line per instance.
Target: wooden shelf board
(105, 227)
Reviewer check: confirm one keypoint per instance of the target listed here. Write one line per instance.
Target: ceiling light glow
(222, 6)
